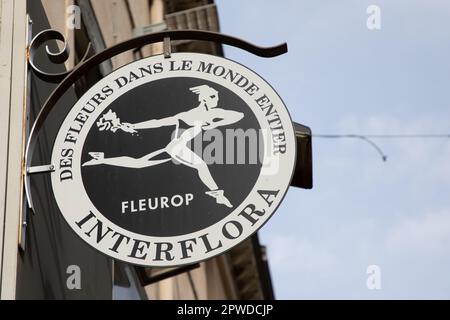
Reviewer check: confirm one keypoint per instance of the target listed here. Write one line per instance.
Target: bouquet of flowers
(111, 122)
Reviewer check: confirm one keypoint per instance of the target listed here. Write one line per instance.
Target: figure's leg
(127, 162)
(178, 150)
(189, 158)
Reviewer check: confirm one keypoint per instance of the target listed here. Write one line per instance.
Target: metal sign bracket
(167, 48)
(41, 169)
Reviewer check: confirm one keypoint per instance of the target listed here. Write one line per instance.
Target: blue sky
(341, 77)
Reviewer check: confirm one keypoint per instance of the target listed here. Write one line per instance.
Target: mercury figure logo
(207, 115)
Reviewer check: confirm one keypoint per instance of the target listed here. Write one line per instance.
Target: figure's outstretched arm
(154, 123)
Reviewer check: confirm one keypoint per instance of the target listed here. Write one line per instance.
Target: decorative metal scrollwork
(55, 57)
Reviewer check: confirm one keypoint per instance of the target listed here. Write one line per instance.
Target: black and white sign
(172, 161)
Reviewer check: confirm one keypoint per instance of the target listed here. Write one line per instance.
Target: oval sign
(171, 161)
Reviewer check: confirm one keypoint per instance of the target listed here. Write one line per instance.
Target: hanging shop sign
(171, 161)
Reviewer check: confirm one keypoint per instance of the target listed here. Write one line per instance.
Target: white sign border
(75, 204)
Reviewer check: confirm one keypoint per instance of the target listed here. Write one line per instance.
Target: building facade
(41, 258)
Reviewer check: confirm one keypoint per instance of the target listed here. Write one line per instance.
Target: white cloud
(427, 234)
